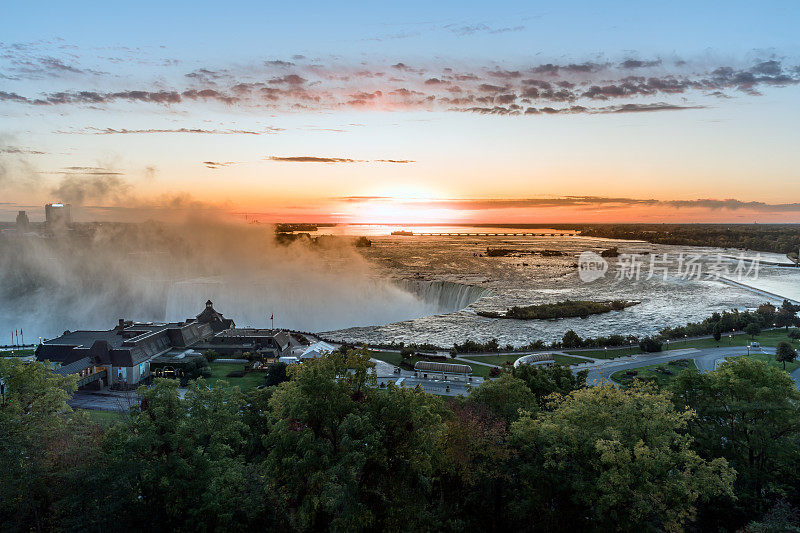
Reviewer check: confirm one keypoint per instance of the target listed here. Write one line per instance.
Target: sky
(413, 112)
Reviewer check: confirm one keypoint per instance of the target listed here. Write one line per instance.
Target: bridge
(472, 234)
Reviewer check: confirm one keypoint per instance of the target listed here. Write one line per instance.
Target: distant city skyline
(514, 112)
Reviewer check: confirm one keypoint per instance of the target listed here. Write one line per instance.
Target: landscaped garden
(661, 374)
(221, 371)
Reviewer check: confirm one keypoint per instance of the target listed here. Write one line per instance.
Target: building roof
(445, 368)
(128, 344)
(317, 349)
(214, 318)
(75, 366)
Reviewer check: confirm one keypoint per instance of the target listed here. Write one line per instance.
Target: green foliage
(650, 344)
(276, 374)
(505, 396)
(778, 238)
(784, 353)
(565, 309)
(545, 380)
(752, 329)
(327, 450)
(611, 459)
(748, 413)
(40, 444)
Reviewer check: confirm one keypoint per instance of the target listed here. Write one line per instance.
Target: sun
(399, 205)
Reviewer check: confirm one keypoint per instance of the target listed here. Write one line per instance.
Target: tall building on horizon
(57, 215)
(22, 221)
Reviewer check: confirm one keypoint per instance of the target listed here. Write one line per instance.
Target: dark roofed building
(268, 342)
(123, 353)
(214, 318)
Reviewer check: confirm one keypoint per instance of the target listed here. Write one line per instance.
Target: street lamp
(667, 344)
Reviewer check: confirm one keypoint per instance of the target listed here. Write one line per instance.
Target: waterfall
(445, 296)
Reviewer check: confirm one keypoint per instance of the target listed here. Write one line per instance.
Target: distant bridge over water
(482, 234)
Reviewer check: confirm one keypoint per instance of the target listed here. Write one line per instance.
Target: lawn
(769, 338)
(103, 418)
(611, 353)
(770, 360)
(651, 371)
(17, 352)
(219, 372)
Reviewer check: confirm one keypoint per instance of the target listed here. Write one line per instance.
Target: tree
(794, 334)
(504, 397)
(752, 329)
(650, 344)
(784, 353)
(749, 413)
(276, 374)
(31, 419)
(571, 340)
(604, 458)
(545, 380)
(345, 457)
(717, 331)
(183, 460)
(475, 473)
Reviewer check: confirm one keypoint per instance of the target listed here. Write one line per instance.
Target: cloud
(314, 159)
(20, 151)
(123, 131)
(596, 202)
(471, 29)
(626, 85)
(636, 63)
(214, 165)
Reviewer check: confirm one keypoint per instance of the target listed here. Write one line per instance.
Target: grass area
(17, 352)
(103, 418)
(769, 338)
(611, 353)
(219, 371)
(770, 360)
(500, 360)
(662, 373)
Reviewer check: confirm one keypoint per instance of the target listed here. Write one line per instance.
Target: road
(706, 360)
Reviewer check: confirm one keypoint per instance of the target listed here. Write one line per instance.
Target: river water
(456, 268)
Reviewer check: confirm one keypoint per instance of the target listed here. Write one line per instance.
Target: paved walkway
(104, 400)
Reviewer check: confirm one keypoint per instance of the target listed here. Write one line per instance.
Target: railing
(92, 377)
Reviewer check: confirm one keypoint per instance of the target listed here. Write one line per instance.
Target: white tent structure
(318, 349)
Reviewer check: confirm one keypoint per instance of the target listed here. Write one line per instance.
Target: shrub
(276, 374)
(650, 344)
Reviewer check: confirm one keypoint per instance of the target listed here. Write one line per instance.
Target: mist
(94, 274)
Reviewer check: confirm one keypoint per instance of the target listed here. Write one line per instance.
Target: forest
(777, 238)
(535, 450)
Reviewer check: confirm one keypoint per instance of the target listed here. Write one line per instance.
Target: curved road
(706, 360)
